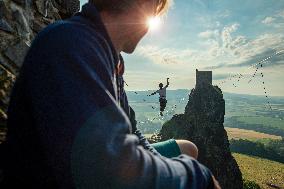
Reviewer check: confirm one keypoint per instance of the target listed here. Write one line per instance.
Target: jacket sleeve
(142, 139)
(83, 131)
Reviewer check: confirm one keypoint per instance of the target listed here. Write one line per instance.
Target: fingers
(216, 183)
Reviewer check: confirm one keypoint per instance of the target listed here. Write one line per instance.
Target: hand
(216, 183)
(168, 78)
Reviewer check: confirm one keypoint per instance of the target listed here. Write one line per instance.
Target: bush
(274, 150)
(250, 185)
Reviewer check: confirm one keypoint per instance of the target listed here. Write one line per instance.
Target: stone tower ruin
(203, 78)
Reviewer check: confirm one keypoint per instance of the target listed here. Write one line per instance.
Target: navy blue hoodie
(66, 128)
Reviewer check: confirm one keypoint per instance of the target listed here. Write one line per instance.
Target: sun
(154, 23)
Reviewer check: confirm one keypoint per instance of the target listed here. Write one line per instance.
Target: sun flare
(154, 23)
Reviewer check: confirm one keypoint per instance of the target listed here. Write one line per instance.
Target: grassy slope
(248, 134)
(269, 121)
(235, 133)
(261, 171)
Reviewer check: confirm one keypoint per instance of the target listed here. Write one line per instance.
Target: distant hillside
(242, 111)
(272, 150)
(235, 133)
(268, 174)
(253, 113)
(147, 108)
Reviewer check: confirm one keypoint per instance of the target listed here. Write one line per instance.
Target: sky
(229, 37)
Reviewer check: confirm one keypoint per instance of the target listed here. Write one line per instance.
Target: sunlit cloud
(224, 14)
(223, 49)
(268, 20)
(209, 34)
(276, 20)
(281, 14)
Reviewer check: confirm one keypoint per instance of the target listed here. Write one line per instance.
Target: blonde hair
(161, 6)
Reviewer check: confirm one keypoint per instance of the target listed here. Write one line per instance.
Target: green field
(269, 121)
(236, 133)
(264, 172)
(263, 124)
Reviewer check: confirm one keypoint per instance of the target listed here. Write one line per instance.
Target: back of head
(129, 17)
(160, 6)
(161, 85)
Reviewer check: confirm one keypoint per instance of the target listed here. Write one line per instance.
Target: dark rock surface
(20, 21)
(17, 52)
(202, 123)
(5, 26)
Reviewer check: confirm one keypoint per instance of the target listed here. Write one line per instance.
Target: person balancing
(163, 96)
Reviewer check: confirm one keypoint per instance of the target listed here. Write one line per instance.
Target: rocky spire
(202, 123)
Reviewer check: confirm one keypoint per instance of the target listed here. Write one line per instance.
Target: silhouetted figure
(163, 96)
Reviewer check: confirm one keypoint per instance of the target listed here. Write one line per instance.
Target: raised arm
(167, 83)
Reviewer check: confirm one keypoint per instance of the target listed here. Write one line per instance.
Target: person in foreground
(69, 122)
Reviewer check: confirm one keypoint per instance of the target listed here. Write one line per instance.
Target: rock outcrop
(20, 21)
(202, 123)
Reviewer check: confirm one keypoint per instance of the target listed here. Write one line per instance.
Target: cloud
(223, 45)
(281, 14)
(264, 45)
(215, 67)
(160, 55)
(169, 56)
(267, 58)
(226, 34)
(209, 34)
(276, 20)
(265, 48)
(268, 20)
(221, 76)
(239, 51)
(224, 14)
